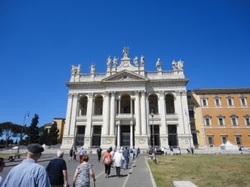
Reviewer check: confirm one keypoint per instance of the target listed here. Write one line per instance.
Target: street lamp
(153, 136)
(26, 115)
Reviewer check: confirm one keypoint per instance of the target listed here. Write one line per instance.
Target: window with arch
(204, 101)
(169, 99)
(153, 103)
(238, 139)
(217, 101)
(234, 120)
(230, 101)
(243, 100)
(247, 120)
(224, 138)
(98, 105)
(207, 120)
(221, 120)
(210, 140)
(83, 101)
(125, 104)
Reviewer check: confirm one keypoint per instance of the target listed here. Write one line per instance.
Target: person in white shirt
(118, 159)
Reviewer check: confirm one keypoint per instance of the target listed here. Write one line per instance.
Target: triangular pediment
(125, 76)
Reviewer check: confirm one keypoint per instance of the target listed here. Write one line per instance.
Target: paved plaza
(138, 174)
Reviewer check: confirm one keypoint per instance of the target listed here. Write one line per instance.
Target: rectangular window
(210, 140)
(96, 138)
(80, 135)
(217, 102)
(234, 121)
(204, 102)
(230, 101)
(243, 102)
(238, 140)
(207, 121)
(247, 120)
(221, 123)
(224, 139)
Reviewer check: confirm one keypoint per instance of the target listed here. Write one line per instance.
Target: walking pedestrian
(126, 158)
(99, 154)
(74, 154)
(118, 158)
(57, 171)
(83, 173)
(81, 153)
(107, 161)
(28, 173)
(71, 154)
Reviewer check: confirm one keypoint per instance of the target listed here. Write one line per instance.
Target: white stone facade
(115, 108)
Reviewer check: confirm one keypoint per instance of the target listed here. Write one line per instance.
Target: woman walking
(107, 161)
(83, 173)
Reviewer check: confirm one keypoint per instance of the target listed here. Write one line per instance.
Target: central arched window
(153, 103)
(169, 99)
(98, 105)
(83, 100)
(125, 104)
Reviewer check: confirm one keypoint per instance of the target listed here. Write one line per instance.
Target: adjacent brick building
(220, 115)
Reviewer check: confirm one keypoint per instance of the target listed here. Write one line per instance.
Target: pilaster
(87, 138)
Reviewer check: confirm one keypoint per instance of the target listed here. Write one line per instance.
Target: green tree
(44, 136)
(53, 134)
(9, 130)
(33, 130)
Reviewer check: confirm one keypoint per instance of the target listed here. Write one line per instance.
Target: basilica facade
(127, 106)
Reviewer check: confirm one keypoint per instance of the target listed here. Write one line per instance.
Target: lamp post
(26, 115)
(153, 136)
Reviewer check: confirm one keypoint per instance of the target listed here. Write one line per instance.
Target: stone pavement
(138, 174)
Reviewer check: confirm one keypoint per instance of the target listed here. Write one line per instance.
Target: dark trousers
(118, 171)
(107, 169)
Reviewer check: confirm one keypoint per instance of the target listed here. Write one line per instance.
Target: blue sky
(40, 40)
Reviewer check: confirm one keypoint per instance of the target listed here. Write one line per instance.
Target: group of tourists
(30, 173)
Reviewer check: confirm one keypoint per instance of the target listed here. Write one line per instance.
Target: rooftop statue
(174, 65)
(142, 61)
(158, 64)
(180, 65)
(92, 68)
(125, 52)
(115, 61)
(136, 61)
(109, 62)
(75, 69)
(177, 65)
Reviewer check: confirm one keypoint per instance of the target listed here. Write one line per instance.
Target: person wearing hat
(28, 172)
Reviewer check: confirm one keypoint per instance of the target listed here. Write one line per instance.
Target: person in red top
(107, 161)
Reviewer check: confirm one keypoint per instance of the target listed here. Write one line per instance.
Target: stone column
(137, 114)
(105, 127)
(87, 140)
(131, 133)
(118, 136)
(184, 134)
(70, 123)
(143, 114)
(112, 115)
(163, 127)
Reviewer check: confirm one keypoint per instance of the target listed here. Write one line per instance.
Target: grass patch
(202, 170)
